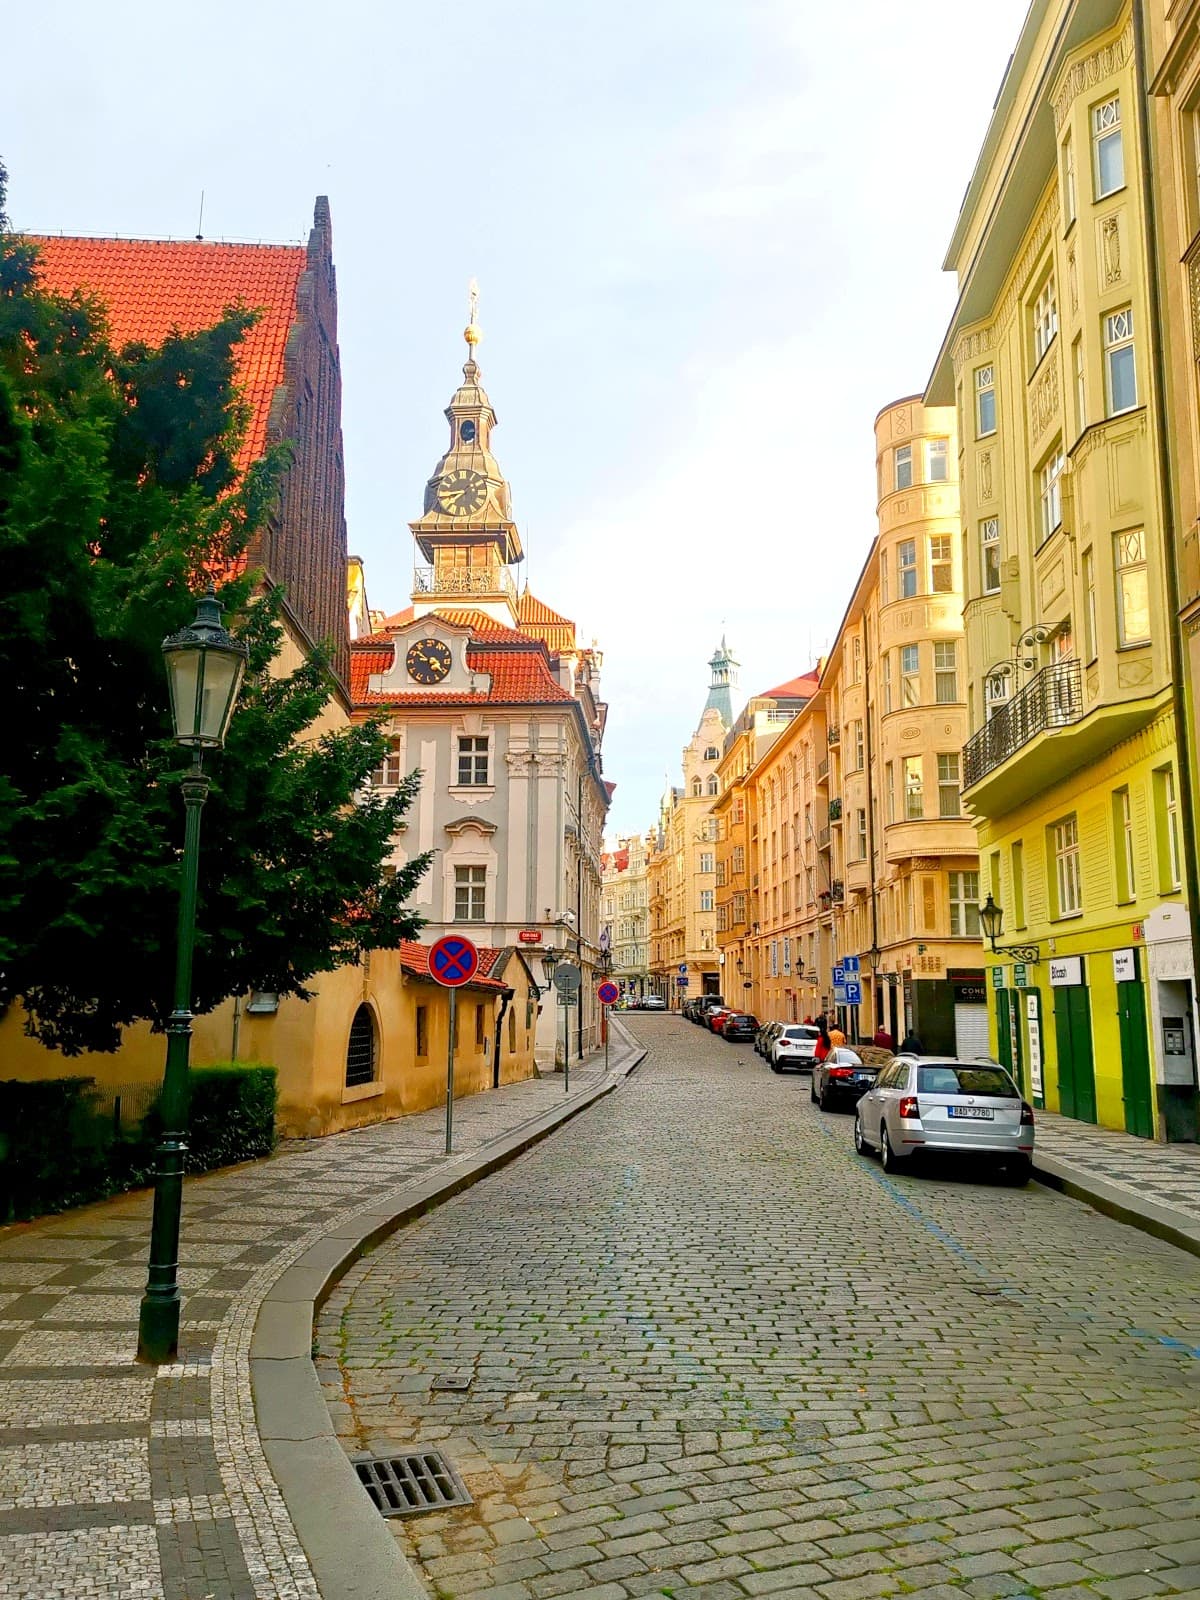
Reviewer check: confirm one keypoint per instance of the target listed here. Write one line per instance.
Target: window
(706, 899)
(945, 672)
(470, 894)
(985, 401)
(1051, 491)
(1119, 375)
(739, 906)
(1166, 828)
(996, 689)
(422, 1030)
(512, 1026)
(1080, 392)
(936, 460)
(1018, 884)
(914, 801)
(906, 564)
(860, 832)
(903, 467)
(885, 672)
(948, 796)
(859, 756)
(1067, 881)
(388, 774)
(1070, 201)
(706, 861)
(710, 753)
(1108, 150)
(910, 675)
(989, 554)
(1123, 839)
(472, 761)
(883, 579)
(1045, 320)
(480, 1035)
(889, 792)
(941, 564)
(713, 786)
(964, 905)
(856, 659)
(739, 858)
(360, 1049)
(1132, 585)
(1089, 605)
(697, 788)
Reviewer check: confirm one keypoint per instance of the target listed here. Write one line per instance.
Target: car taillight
(839, 1072)
(909, 1107)
(1026, 1114)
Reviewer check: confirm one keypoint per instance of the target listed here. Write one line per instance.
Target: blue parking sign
(853, 992)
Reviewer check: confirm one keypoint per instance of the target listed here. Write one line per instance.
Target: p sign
(608, 994)
(453, 961)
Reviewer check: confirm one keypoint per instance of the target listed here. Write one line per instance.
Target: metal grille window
(910, 675)
(945, 672)
(470, 894)
(472, 761)
(388, 774)
(1108, 148)
(941, 564)
(989, 554)
(1051, 491)
(1045, 319)
(903, 467)
(906, 568)
(1132, 585)
(1119, 374)
(936, 460)
(964, 905)
(1067, 877)
(360, 1050)
(949, 804)
(985, 401)
(914, 795)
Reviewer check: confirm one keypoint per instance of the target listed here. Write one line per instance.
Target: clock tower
(466, 533)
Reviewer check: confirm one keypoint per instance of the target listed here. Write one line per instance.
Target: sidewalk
(1155, 1187)
(212, 1478)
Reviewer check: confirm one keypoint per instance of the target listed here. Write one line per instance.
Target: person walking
(883, 1040)
(836, 1037)
(823, 1046)
(911, 1044)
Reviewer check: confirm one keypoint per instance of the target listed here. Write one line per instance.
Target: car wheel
(891, 1161)
(1018, 1173)
(825, 1101)
(860, 1144)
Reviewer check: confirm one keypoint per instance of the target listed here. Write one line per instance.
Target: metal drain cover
(452, 1383)
(404, 1486)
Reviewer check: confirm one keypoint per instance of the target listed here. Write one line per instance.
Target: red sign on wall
(530, 935)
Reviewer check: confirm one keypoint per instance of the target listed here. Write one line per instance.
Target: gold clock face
(462, 492)
(428, 661)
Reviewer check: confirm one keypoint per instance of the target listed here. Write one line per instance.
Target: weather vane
(471, 332)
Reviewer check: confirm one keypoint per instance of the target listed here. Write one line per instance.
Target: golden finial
(472, 332)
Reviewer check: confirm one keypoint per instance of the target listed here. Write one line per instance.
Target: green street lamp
(205, 666)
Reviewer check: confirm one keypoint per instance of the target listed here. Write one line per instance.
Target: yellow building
(625, 913)
(1071, 770)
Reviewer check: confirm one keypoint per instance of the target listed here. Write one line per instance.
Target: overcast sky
(708, 238)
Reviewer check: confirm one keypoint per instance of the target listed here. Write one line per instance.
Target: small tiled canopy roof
(414, 958)
(153, 287)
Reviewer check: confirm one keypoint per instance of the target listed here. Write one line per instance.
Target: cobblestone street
(712, 1352)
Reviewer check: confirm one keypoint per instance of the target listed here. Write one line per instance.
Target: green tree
(118, 493)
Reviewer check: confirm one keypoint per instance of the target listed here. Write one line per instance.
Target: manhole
(404, 1486)
(985, 1289)
(451, 1383)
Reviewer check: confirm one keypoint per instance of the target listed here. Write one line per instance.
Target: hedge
(58, 1148)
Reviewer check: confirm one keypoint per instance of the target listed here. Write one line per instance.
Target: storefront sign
(1065, 971)
(1020, 976)
(1034, 1035)
(1124, 966)
(997, 977)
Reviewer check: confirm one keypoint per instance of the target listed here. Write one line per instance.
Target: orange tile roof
(519, 677)
(154, 286)
(539, 622)
(801, 688)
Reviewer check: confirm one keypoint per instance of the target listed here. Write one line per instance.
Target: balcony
(835, 809)
(834, 736)
(464, 580)
(1053, 699)
(837, 892)
(823, 770)
(823, 838)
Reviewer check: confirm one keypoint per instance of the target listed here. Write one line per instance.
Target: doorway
(1136, 1087)
(1076, 1069)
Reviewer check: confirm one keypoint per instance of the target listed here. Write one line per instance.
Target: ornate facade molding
(1110, 249)
(1093, 69)
(1043, 400)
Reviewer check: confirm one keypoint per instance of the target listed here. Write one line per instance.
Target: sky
(708, 239)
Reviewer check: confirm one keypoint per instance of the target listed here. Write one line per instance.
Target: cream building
(625, 912)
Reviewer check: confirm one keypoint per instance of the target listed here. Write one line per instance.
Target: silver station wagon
(936, 1105)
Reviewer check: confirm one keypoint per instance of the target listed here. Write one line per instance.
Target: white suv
(794, 1046)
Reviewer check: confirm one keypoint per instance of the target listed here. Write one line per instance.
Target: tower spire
(724, 667)
(472, 333)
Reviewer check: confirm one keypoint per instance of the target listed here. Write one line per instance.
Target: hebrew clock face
(428, 661)
(461, 493)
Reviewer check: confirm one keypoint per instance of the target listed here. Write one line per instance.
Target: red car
(718, 1017)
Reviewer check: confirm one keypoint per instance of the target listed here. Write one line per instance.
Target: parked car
(794, 1045)
(841, 1078)
(739, 1025)
(653, 1002)
(762, 1039)
(937, 1105)
(706, 1003)
(716, 1018)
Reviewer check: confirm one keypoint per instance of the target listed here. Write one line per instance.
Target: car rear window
(801, 1033)
(966, 1080)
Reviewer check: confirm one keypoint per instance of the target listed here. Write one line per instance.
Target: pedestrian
(883, 1039)
(911, 1044)
(836, 1037)
(823, 1046)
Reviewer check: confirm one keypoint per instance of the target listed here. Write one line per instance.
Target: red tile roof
(414, 958)
(152, 287)
(801, 688)
(519, 677)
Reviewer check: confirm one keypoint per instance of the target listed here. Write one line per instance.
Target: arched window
(360, 1051)
(697, 786)
(713, 786)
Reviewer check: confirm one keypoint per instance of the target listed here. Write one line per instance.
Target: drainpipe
(870, 804)
(505, 1001)
(1158, 390)
(237, 1027)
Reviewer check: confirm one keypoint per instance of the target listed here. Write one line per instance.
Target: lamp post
(991, 917)
(205, 666)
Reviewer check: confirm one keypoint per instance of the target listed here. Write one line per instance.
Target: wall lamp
(992, 917)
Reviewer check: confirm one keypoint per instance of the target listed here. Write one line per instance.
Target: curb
(350, 1550)
(1163, 1222)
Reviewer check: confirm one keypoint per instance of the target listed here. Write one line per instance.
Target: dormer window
(466, 431)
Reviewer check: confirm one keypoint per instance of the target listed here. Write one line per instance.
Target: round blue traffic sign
(453, 960)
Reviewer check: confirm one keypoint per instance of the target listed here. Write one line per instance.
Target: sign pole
(566, 1010)
(450, 1072)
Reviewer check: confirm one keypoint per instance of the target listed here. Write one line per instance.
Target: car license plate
(971, 1113)
(863, 1077)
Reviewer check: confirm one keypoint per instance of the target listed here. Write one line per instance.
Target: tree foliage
(119, 492)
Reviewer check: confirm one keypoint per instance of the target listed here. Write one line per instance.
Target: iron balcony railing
(834, 736)
(1054, 699)
(822, 769)
(835, 809)
(838, 891)
(463, 580)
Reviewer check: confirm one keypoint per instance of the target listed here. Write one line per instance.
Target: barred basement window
(360, 1051)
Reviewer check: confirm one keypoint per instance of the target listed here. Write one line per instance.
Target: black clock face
(462, 492)
(428, 661)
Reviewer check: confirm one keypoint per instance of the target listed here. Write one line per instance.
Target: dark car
(841, 1079)
(739, 1025)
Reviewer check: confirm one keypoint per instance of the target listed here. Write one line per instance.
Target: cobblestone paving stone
(714, 1353)
(120, 1481)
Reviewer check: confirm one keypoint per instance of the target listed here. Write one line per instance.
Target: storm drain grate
(404, 1486)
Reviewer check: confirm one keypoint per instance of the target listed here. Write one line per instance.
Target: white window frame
(859, 745)
(1128, 852)
(985, 390)
(885, 672)
(964, 904)
(949, 784)
(945, 672)
(473, 756)
(910, 680)
(1119, 348)
(937, 453)
(941, 563)
(1067, 876)
(914, 789)
(470, 893)
(989, 552)
(902, 467)
(706, 861)
(389, 772)
(707, 901)
(1132, 582)
(1088, 573)
(1070, 193)
(906, 570)
(1080, 386)
(1107, 127)
(1049, 478)
(860, 828)
(883, 578)
(889, 791)
(1171, 817)
(1045, 319)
